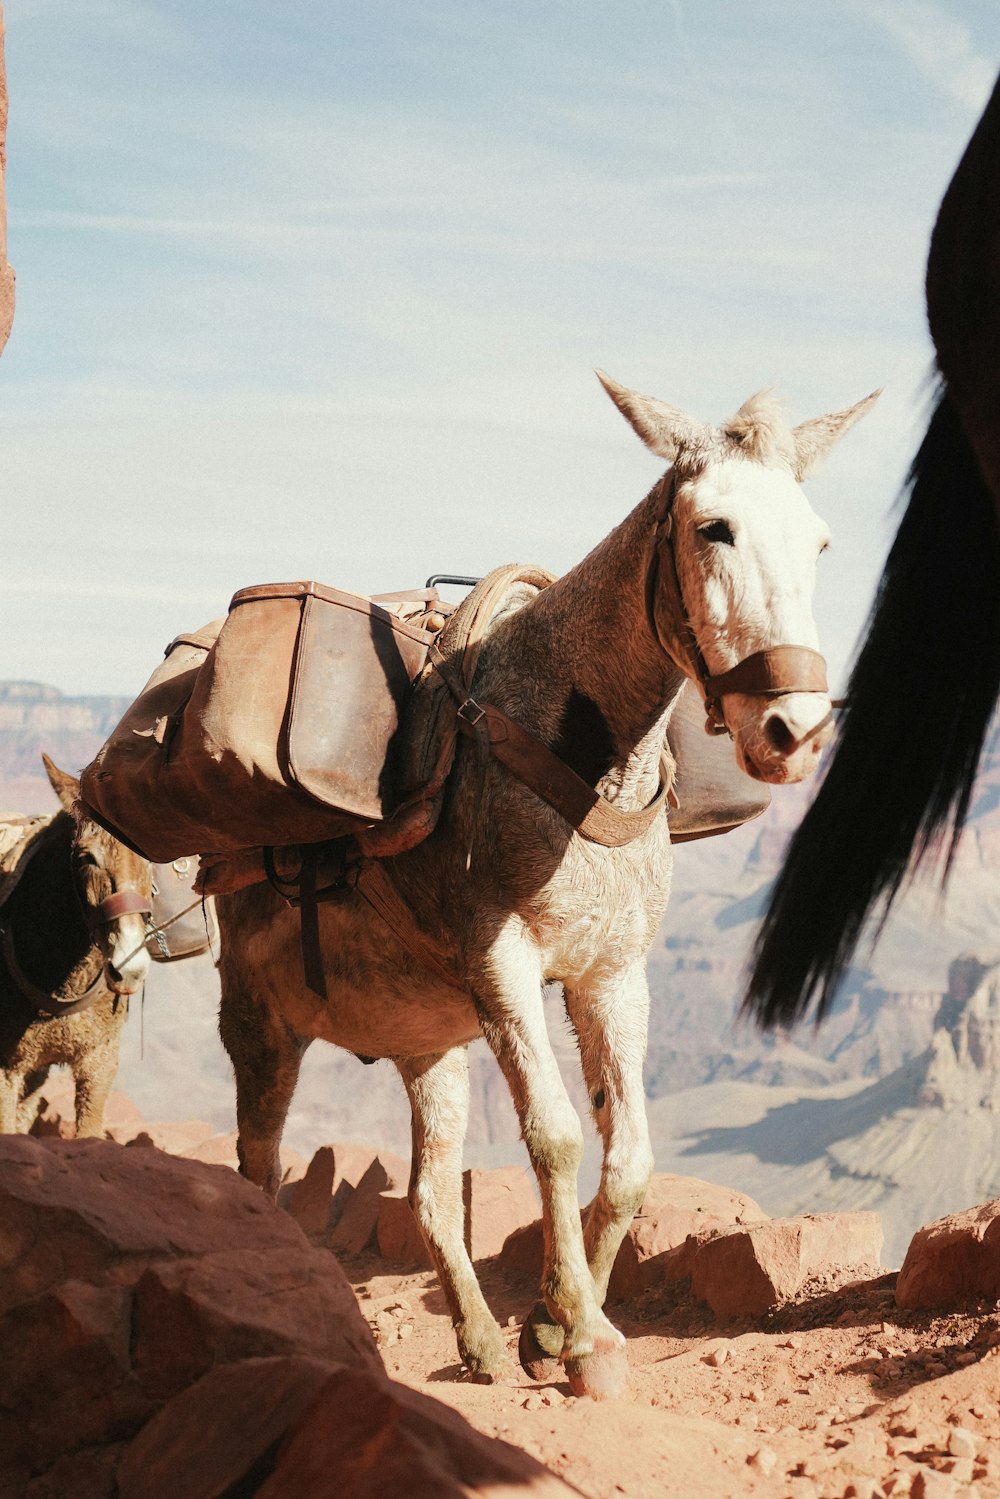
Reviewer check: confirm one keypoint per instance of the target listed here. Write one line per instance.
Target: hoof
(603, 1374)
(540, 1345)
(505, 1373)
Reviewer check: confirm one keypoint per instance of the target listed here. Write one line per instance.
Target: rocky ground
(836, 1393)
(767, 1356)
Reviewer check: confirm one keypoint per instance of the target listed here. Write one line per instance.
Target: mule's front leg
(438, 1089)
(509, 999)
(610, 1017)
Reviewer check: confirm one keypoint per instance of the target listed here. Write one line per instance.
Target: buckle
(471, 712)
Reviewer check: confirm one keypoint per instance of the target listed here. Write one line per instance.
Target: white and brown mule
(709, 578)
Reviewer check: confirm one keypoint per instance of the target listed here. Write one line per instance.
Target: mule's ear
(662, 428)
(813, 440)
(65, 786)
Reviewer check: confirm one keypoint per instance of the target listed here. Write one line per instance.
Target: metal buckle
(471, 712)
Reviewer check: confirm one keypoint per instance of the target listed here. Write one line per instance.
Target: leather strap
(122, 903)
(771, 673)
(524, 755)
(534, 764)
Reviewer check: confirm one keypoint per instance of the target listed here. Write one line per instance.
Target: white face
(747, 542)
(123, 948)
(105, 867)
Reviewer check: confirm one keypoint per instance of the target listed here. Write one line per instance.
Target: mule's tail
(920, 700)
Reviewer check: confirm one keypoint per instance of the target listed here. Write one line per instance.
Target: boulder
(373, 1439)
(310, 1199)
(358, 1223)
(281, 1426)
(496, 1203)
(397, 1234)
(207, 1439)
(126, 1273)
(955, 1259)
(674, 1210)
(746, 1271)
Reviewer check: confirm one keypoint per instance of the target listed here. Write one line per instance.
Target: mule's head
(115, 890)
(736, 550)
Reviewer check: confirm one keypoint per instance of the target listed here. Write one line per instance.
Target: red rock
(496, 1203)
(955, 1259)
(310, 1199)
(66, 1368)
(205, 1440)
(172, 1137)
(397, 1234)
(192, 1314)
(123, 1275)
(372, 1439)
(654, 1248)
(674, 1209)
(216, 1150)
(359, 1220)
(747, 1271)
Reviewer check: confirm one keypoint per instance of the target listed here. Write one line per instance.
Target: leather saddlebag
(184, 923)
(714, 794)
(279, 726)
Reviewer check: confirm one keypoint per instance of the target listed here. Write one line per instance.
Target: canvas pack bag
(279, 725)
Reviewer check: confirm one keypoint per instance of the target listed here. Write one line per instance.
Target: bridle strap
(122, 903)
(771, 673)
(775, 672)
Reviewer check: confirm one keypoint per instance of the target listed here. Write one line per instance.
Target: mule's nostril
(779, 735)
(114, 974)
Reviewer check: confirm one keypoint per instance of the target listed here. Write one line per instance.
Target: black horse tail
(919, 704)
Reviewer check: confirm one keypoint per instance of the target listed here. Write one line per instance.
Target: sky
(316, 290)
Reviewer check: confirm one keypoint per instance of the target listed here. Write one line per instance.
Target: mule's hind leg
(509, 1003)
(266, 1055)
(438, 1089)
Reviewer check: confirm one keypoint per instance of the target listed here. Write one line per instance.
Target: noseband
(776, 672)
(122, 903)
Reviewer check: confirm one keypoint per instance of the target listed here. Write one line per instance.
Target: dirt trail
(838, 1393)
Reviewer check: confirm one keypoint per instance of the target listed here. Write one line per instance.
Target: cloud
(938, 44)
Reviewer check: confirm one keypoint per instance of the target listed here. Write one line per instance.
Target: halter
(121, 903)
(775, 672)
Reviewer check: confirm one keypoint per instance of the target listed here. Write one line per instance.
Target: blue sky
(316, 290)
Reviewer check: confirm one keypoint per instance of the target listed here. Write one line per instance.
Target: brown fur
(74, 865)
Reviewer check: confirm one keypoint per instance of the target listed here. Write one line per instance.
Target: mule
(922, 694)
(709, 577)
(72, 952)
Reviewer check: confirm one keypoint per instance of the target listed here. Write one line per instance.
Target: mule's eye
(717, 530)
